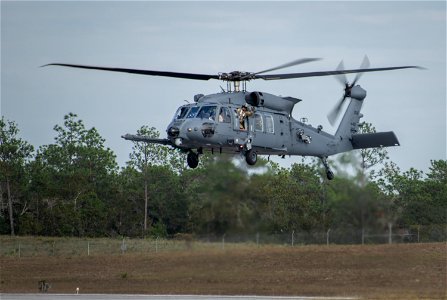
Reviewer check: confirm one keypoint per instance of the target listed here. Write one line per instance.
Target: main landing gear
(192, 159)
(251, 157)
(329, 173)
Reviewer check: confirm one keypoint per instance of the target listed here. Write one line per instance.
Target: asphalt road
(154, 297)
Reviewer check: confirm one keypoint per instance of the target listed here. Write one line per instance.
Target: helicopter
(254, 123)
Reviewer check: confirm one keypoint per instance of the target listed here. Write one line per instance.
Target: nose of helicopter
(173, 131)
(190, 131)
(199, 129)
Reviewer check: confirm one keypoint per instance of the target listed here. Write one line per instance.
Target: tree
(218, 202)
(168, 208)
(294, 199)
(126, 207)
(14, 154)
(364, 163)
(78, 168)
(145, 155)
(355, 207)
(371, 157)
(417, 200)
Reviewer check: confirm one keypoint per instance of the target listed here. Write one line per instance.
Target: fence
(414, 234)
(48, 246)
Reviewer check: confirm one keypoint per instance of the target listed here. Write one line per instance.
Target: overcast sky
(212, 37)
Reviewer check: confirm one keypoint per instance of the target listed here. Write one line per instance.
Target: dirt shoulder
(399, 271)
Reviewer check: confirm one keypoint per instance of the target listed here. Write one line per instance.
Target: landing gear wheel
(192, 159)
(329, 173)
(251, 157)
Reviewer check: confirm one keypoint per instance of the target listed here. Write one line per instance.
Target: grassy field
(400, 271)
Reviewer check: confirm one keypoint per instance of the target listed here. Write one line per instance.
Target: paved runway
(155, 297)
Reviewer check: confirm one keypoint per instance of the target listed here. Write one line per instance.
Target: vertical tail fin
(350, 121)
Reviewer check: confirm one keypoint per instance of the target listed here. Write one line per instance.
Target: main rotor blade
(328, 73)
(365, 65)
(141, 72)
(289, 64)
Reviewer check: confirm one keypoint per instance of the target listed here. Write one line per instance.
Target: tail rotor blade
(335, 112)
(341, 77)
(365, 65)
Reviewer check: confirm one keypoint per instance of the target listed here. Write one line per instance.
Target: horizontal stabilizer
(146, 139)
(373, 140)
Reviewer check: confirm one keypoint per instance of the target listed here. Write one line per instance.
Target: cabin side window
(224, 115)
(259, 124)
(269, 125)
(237, 124)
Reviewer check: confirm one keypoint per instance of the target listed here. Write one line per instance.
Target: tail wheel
(251, 157)
(192, 159)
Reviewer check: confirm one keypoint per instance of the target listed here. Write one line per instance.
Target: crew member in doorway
(243, 113)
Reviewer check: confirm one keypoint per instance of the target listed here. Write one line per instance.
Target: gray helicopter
(258, 123)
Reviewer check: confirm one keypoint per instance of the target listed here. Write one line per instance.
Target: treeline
(74, 187)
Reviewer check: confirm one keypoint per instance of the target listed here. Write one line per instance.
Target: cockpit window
(193, 112)
(207, 112)
(181, 112)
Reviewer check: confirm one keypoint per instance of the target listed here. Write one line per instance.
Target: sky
(213, 37)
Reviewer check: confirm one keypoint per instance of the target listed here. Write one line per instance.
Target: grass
(399, 271)
(27, 246)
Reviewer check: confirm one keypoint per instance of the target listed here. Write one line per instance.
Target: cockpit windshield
(181, 112)
(203, 112)
(193, 112)
(207, 112)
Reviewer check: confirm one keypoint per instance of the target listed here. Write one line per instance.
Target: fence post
(123, 247)
(293, 237)
(156, 245)
(88, 248)
(257, 239)
(20, 250)
(390, 233)
(363, 236)
(419, 226)
(223, 241)
(327, 236)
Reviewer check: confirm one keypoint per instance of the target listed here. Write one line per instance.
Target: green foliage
(72, 179)
(158, 230)
(363, 164)
(357, 207)
(73, 187)
(144, 154)
(372, 156)
(418, 201)
(156, 168)
(14, 156)
(294, 199)
(217, 196)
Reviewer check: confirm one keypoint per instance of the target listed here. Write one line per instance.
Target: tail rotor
(341, 77)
